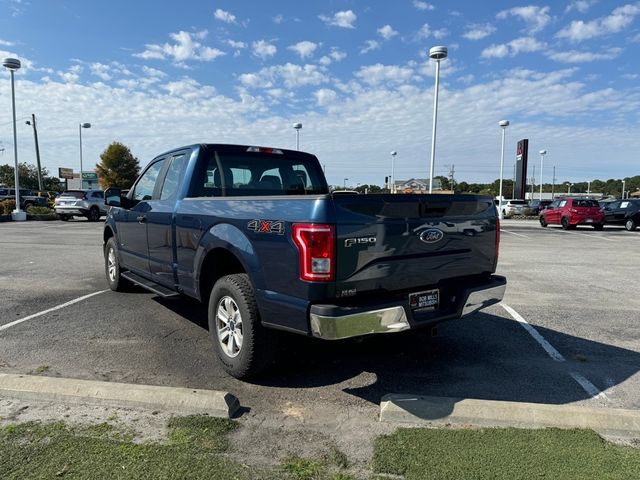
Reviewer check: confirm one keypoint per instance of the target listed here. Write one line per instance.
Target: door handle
(142, 219)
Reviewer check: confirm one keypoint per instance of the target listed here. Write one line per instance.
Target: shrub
(8, 206)
(39, 210)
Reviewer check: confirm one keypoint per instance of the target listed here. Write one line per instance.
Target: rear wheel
(243, 346)
(565, 223)
(94, 214)
(543, 222)
(64, 218)
(630, 224)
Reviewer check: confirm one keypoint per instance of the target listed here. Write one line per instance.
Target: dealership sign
(65, 173)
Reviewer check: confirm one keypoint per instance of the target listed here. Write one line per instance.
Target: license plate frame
(426, 300)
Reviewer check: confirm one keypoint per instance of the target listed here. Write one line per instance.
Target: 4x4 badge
(432, 235)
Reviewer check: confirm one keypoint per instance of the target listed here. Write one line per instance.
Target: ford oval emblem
(432, 235)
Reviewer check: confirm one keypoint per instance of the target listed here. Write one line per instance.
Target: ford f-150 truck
(255, 234)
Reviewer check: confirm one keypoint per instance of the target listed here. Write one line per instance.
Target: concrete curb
(169, 399)
(397, 408)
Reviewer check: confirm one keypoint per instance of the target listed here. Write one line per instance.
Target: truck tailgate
(407, 242)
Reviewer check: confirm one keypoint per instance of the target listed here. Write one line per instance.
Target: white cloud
(535, 17)
(224, 16)
(427, 32)
(343, 19)
(325, 96)
(369, 46)
(6, 43)
(513, 48)
(334, 56)
(619, 19)
(290, 75)
(478, 32)
(304, 49)
(236, 45)
(422, 5)
(388, 74)
(573, 56)
(263, 49)
(580, 5)
(187, 47)
(101, 70)
(387, 32)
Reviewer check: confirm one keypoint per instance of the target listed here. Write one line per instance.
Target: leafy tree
(118, 167)
(28, 177)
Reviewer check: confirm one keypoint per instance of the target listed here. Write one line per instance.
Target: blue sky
(156, 75)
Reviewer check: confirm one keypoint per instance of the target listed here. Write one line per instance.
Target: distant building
(417, 185)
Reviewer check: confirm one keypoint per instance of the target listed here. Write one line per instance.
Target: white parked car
(514, 207)
(81, 203)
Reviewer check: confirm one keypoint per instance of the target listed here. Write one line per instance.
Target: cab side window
(143, 190)
(173, 177)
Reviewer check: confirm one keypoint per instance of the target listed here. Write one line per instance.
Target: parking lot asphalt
(574, 291)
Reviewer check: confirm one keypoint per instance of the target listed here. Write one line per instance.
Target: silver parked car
(514, 207)
(81, 203)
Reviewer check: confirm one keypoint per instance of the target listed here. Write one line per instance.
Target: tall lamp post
(344, 185)
(624, 184)
(569, 185)
(542, 154)
(297, 127)
(436, 53)
(13, 64)
(80, 127)
(393, 169)
(503, 124)
(35, 137)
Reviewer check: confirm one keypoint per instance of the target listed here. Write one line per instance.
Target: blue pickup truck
(255, 234)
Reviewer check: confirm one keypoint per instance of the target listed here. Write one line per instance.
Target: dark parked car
(536, 206)
(623, 212)
(27, 198)
(570, 212)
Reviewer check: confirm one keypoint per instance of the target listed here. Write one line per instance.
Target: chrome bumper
(394, 319)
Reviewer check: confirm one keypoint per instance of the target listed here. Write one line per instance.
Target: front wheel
(543, 222)
(112, 266)
(243, 346)
(94, 214)
(630, 225)
(565, 223)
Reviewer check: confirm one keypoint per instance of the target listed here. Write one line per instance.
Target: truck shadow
(484, 356)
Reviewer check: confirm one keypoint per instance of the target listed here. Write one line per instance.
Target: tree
(28, 177)
(118, 167)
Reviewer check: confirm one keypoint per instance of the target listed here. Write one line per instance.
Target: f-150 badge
(350, 242)
(266, 226)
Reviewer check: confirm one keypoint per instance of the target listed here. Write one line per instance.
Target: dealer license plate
(427, 300)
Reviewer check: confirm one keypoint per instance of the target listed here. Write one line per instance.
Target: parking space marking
(514, 233)
(590, 235)
(586, 385)
(49, 310)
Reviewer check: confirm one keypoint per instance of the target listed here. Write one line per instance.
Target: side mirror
(113, 197)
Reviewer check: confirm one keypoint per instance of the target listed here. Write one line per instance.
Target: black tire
(234, 295)
(543, 222)
(64, 218)
(112, 267)
(94, 214)
(565, 223)
(630, 225)
(598, 226)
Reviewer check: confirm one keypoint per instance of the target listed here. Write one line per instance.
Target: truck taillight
(316, 246)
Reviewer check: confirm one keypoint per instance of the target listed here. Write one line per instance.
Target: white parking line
(514, 233)
(590, 235)
(586, 385)
(49, 310)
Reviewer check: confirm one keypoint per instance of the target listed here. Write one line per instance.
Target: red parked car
(570, 212)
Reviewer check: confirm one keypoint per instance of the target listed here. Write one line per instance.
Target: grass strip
(498, 453)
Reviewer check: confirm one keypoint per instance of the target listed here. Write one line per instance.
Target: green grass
(503, 454)
(56, 450)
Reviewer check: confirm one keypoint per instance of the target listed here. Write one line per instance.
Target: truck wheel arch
(217, 263)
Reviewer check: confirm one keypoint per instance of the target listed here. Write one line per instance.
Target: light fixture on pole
(542, 154)
(35, 137)
(503, 124)
(569, 189)
(436, 53)
(13, 64)
(393, 170)
(297, 127)
(80, 127)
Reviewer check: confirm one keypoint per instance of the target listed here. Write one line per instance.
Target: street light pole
(35, 137)
(297, 127)
(80, 127)
(624, 184)
(393, 175)
(569, 189)
(542, 154)
(436, 53)
(503, 124)
(14, 64)
(344, 185)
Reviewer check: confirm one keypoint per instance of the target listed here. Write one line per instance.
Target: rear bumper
(81, 212)
(586, 220)
(332, 322)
